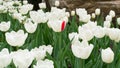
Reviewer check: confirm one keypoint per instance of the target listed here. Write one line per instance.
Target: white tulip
(5, 58)
(97, 11)
(57, 14)
(67, 14)
(16, 38)
(85, 34)
(4, 26)
(38, 53)
(99, 32)
(57, 25)
(38, 17)
(57, 3)
(118, 20)
(19, 17)
(85, 18)
(22, 58)
(42, 5)
(73, 37)
(108, 18)
(48, 49)
(107, 24)
(107, 55)
(25, 8)
(81, 12)
(25, 2)
(29, 26)
(93, 15)
(72, 13)
(44, 64)
(82, 50)
(1, 1)
(114, 33)
(43, 16)
(3, 9)
(112, 13)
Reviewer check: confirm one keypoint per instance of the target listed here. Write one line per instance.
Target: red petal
(63, 25)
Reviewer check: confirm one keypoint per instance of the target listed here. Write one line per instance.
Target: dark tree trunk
(35, 3)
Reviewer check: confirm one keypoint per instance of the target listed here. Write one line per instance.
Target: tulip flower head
(5, 26)
(44, 64)
(82, 49)
(107, 55)
(16, 38)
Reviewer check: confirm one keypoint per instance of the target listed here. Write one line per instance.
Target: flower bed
(55, 39)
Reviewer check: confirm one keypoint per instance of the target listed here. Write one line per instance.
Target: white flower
(57, 14)
(38, 17)
(73, 37)
(99, 32)
(114, 33)
(57, 25)
(29, 26)
(118, 20)
(44, 64)
(40, 53)
(19, 17)
(48, 49)
(57, 3)
(43, 16)
(93, 15)
(85, 34)
(25, 8)
(72, 13)
(107, 24)
(112, 13)
(1, 1)
(16, 38)
(42, 5)
(81, 11)
(108, 18)
(82, 50)
(22, 58)
(4, 26)
(25, 2)
(67, 14)
(5, 58)
(107, 55)
(85, 18)
(97, 11)
(3, 9)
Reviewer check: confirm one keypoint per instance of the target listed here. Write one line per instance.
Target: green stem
(82, 63)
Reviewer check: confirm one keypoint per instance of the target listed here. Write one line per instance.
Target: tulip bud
(57, 3)
(93, 15)
(112, 13)
(118, 20)
(42, 5)
(108, 18)
(5, 58)
(25, 2)
(4, 26)
(97, 11)
(107, 55)
(72, 13)
(107, 24)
